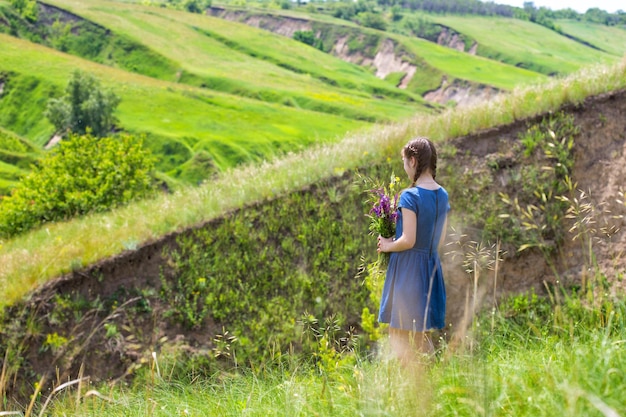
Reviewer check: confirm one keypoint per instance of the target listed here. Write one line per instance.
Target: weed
(54, 343)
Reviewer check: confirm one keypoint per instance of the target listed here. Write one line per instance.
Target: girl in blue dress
(414, 296)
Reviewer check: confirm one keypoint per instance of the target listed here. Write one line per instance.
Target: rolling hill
(224, 93)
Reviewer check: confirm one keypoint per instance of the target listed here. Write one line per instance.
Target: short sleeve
(447, 200)
(408, 200)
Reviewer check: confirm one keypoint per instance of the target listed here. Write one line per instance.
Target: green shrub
(12, 142)
(308, 37)
(372, 20)
(26, 8)
(422, 27)
(81, 175)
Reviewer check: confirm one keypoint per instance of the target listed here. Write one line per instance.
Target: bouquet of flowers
(384, 211)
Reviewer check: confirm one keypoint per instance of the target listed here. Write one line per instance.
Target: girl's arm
(443, 233)
(404, 242)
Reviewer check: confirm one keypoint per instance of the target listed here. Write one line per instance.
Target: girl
(414, 296)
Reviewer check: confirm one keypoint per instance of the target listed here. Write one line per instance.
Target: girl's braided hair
(423, 150)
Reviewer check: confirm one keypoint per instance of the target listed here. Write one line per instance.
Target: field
(254, 292)
(527, 45)
(176, 111)
(226, 98)
(559, 377)
(609, 39)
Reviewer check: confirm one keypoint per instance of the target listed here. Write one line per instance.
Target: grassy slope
(287, 68)
(471, 68)
(611, 39)
(525, 44)
(36, 257)
(197, 53)
(446, 61)
(180, 112)
(16, 155)
(235, 58)
(223, 123)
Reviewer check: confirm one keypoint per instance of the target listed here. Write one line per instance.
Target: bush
(26, 8)
(308, 37)
(372, 20)
(83, 174)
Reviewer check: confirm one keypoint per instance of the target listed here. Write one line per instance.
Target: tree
(85, 105)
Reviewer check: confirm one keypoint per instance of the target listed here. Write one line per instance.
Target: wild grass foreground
(532, 357)
(55, 249)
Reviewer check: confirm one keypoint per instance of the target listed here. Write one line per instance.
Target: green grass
(16, 156)
(218, 122)
(238, 59)
(32, 259)
(261, 94)
(442, 60)
(471, 68)
(24, 101)
(209, 57)
(510, 371)
(611, 39)
(525, 44)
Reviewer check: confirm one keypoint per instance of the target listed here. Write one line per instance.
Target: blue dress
(414, 295)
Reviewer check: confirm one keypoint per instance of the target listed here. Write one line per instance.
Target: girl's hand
(384, 243)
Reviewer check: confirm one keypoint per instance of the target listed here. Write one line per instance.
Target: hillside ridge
(133, 275)
(387, 58)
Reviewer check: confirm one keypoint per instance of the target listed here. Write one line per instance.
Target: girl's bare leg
(407, 345)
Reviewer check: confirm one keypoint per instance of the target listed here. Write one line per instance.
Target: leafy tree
(597, 15)
(85, 105)
(422, 27)
(83, 174)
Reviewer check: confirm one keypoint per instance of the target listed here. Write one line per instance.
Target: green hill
(525, 44)
(272, 244)
(228, 128)
(610, 39)
(216, 93)
(434, 61)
